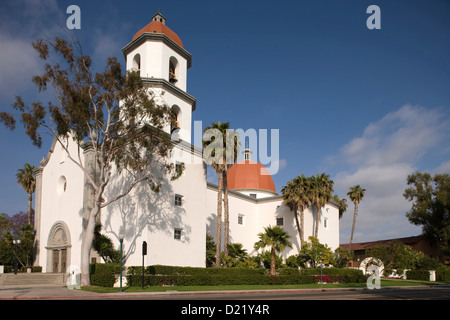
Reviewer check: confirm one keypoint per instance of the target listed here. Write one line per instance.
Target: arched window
(173, 70)
(136, 65)
(176, 116)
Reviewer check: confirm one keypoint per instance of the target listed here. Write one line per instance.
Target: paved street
(269, 304)
(53, 292)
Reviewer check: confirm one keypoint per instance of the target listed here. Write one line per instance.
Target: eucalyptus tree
(355, 193)
(276, 239)
(26, 179)
(112, 113)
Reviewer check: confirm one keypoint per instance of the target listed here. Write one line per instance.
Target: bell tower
(158, 55)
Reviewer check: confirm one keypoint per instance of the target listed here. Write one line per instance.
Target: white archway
(367, 262)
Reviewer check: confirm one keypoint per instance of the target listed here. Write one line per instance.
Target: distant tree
(276, 239)
(113, 113)
(342, 205)
(342, 257)
(356, 193)
(430, 197)
(16, 228)
(315, 252)
(26, 179)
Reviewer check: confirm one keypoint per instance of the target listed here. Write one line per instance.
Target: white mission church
(175, 221)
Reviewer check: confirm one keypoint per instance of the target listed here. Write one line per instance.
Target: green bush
(443, 275)
(418, 275)
(103, 274)
(103, 279)
(215, 280)
(187, 276)
(171, 270)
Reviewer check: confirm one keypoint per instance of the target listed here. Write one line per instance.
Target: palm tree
(322, 188)
(342, 203)
(216, 155)
(27, 180)
(296, 196)
(356, 193)
(231, 146)
(275, 238)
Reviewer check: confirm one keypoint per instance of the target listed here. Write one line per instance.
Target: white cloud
(380, 160)
(21, 23)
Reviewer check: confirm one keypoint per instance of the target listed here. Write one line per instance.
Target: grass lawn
(384, 283)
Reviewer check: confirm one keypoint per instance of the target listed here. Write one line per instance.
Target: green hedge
(443, 275)
(418, 275)
(424, 275)
(104, 274)
(103, 279)
(191, 271)
(215, 280)
(186, 276)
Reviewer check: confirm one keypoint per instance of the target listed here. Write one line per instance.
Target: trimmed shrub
(103, 274)
(443, 275)
(215, 280)
(159, 275)
(418, 275)
(103, 279)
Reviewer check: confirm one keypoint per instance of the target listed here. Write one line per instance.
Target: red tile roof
(372, 244)
(159, 27)
(248, 174)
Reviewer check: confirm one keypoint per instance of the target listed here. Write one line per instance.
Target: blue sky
(365, 106)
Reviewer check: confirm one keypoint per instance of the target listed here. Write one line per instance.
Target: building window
(325, 223)
(280, 222)
(173, 66)
(178, 200)
(177, 234)
(241, 219)
(136, 64)
(61, 186)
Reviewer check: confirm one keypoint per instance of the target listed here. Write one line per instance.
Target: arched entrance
(58, 248)
(367, 262)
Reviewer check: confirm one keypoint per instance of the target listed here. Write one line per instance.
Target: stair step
(32, 278)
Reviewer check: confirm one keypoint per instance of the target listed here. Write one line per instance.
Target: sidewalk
(55, 292)
(58, 292)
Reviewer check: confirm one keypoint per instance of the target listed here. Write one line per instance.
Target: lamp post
(16, 262)
(121, 236)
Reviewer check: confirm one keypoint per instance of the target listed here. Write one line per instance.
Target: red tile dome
(158, 26)
(248, 174)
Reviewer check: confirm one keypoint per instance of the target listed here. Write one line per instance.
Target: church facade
(173, 222)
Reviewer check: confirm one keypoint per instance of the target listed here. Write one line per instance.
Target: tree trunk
(302, 226)
(353, 225)
(219, 218)
(272, 262)
(30, 201)
(316, 232)
(299, 229)
(86, 246)
(226, 215)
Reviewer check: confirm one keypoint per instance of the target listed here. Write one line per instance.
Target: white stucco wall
(153, 217)
(59, 205)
